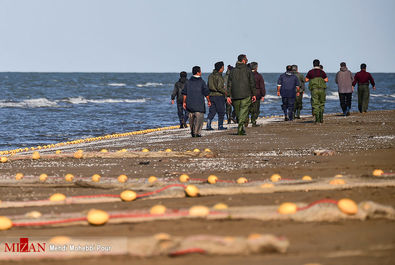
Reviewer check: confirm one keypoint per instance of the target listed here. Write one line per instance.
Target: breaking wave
(45, 103)
(29, 103)
(117, 84)
(150, 84)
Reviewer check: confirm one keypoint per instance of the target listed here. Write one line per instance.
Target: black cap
(183, 74)
(218, 65)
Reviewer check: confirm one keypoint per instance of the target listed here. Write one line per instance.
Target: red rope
(70, 220)
(317, 202)
(138, 196)
(94, 196)
(187, 251)
(160, 190)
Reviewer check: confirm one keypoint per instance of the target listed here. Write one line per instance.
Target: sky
(175, 35)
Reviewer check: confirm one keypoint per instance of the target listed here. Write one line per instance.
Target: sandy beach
(361, 144)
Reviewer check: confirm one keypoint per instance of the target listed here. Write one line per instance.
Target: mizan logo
(24, 246)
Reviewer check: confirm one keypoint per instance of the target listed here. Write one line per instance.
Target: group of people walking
(238, 94)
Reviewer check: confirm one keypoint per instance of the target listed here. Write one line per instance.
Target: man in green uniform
(363, 78)
(230, 112)
(317, 84)
(241, 91)
(298, 99)
(217, 96)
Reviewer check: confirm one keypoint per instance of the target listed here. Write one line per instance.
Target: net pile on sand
(156, 245)
(323, 210)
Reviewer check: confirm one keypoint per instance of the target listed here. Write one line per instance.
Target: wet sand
(362, 143)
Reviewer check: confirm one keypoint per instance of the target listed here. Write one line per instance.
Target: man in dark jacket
(241, 91)
(298, 99)
(217, 96)
(194, 92)
(344, 83)
(260, 93)
(288, 88)
(178, 87)
(363, 78)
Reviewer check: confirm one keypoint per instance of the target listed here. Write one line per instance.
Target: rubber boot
(240, 130)
(228, 119)
(321, 116)
(209, 128)
(221, 125)
(297, 116)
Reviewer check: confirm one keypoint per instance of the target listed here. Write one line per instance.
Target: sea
(45, 108)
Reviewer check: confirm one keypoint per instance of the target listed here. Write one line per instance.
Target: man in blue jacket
(194, 92)
(288, 88)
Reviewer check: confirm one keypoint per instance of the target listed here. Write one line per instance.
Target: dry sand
(362, 143)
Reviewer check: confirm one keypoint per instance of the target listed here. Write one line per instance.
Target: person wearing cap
(344, 83)
(298, 99)
(230, 110)
(217, 96)
(317, 84)
(194, 92)
(363, 78)
(260, 93)
(288, 89)
(241, 91)
(178, 87)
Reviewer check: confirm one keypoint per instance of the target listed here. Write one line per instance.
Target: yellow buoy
(207, 150)
(157, 209)
(152, 179)
(3, 159)
(306, 178)
(337, 181)
(144, 150)
(97, 217)
(33, 214)
(267, 185)
(19, 176)
(254, 236)
(96, 178)
(43, 177)
(122, 151)
(378, 172)
(79, 154)
(338, 176)
(162, 236)
(196, 150)
(168, 150)
(122, 178)
(347, 206)
(5, 223)
(275, 177)
(220, 206)
(69, 177)
(58, 152)
(192, 191)
(184, 178)
(57, 197)
(36, 155)
(128, 195)
(287, 208)
(241, 180)
(104, 151)
(199, 211)
(212, 179)
(60, 240)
